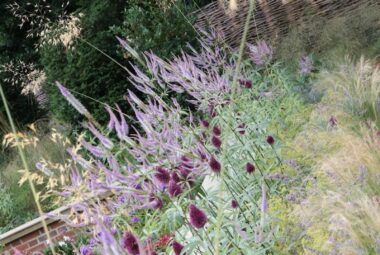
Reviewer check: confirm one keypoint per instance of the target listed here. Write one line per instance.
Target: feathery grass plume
(358, 88)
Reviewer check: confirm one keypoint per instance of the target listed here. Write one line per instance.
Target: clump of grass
(336, 208)
(356, 88)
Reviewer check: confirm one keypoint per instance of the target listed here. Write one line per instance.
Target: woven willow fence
(272, 18)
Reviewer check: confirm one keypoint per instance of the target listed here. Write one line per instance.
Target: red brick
(33, 242)
(22, 247)
(29, 236)
(14, 243)
(42, 238)
(53, 233)
(39, 247)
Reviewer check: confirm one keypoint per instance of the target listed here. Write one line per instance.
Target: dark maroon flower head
(241, 128)
(250, 168)
(162, 175)
(246, 83)
(129, 242)
(197, 217)
(216, 131)
(177, 247)
(174, 177)
(234, 204)
(216, 142)
(215, 165)
(184, 172)
(205, 123)
(174, 189)
(270, 139)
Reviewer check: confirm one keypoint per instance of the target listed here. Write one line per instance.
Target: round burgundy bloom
(234, 204)
(242, 128)
(174, 177)
(216, 142)
(177, 247)
(215, 165)
(129, 242)
(270, 139)
(250, 168)
(184, 172)
(174, 189)
(198, 218)
(216, 131)
(162, 175)
(205, 123)
(246, 83)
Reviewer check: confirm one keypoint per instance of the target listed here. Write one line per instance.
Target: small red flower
(162, 175)
(250, 168)
(215, 165)
(205, 123)
(270, 139)
(246, 83)
(197, 217)
(177, 248)
(174, 189)
(216, 142)
(129, 242)
(216, 131)
(234, 204)
(163, 241)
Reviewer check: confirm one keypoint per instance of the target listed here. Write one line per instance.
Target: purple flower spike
(72, 100)
(216, 142)
(198, 218)
(174, 189)
(250, 168)
(270, 139)
(216, 131)
(215, 165)
(129, 242)
(246, 83)
(205, 123)
(162, 175)
(234, 204)
(85, 250)
(260, 53)
(305, 65)
(158, 204)
(177, 248)
(134, 220)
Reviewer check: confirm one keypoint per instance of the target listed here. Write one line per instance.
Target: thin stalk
(26, 167)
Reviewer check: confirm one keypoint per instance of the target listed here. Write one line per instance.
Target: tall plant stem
(26, 167)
